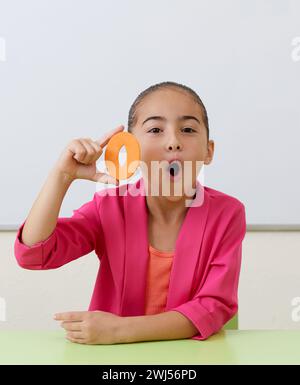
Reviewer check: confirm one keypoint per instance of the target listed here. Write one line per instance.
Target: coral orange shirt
(158, 277)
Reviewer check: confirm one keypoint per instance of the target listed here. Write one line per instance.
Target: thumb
(104, 178)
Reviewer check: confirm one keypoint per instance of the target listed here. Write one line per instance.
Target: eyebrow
(180, 118)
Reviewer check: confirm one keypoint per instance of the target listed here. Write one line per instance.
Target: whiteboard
(72, 69)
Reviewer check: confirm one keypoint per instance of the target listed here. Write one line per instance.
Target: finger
(70, 316)
(76, 340)
(98, 150)
(90, 151)
(78, 150)
(73, 326)
(105, 138)
(75, 335)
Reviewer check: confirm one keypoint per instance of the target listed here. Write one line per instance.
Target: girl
(168, 270)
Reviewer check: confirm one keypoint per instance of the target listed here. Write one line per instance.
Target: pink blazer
(206, 265)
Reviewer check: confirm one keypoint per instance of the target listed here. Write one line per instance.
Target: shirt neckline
(160, 253)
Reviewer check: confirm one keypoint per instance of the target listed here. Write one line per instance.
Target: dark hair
(132, 118)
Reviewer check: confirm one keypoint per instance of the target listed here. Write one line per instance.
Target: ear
(210, 152)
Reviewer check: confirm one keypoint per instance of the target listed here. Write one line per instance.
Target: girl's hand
(78, 160)
(88, 327)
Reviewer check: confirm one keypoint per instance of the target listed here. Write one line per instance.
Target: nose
(173, 144)
(174, 147)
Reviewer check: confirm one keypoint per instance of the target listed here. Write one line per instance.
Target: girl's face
(170, 125)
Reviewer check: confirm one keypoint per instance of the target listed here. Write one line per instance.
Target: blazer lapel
(136, 250)
(187, 250)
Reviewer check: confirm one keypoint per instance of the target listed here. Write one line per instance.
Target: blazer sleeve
(216, 302)
(72, 238)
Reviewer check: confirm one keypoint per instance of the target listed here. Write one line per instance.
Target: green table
(226, 347)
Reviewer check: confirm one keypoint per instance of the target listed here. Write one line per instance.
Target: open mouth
(174, 170)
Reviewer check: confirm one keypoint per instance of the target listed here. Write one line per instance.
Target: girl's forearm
(42, 218)
(170, 325)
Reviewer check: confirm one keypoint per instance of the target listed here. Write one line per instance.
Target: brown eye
(189, 128)
(155, 128)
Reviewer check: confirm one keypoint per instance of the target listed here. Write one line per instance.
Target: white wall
(269, 281)
(32, 297)
(73, 68)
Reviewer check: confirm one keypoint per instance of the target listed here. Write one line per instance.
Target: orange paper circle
(112, 155)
